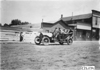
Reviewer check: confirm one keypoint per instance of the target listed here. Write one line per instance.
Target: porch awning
(72, 24)
(83, 26)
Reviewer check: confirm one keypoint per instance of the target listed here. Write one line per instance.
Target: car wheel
(37, 40)
(70, 41)
(61, 43)
(46, 40)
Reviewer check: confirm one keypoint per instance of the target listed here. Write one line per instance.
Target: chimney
(42, 20)
(61, 16)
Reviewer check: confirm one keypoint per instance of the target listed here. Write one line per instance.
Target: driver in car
(70, 32)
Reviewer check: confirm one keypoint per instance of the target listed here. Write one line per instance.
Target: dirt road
(21, 56)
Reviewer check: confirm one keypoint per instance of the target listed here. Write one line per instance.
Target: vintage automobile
(47, 38)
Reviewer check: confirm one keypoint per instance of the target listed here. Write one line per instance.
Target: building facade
(85, 26)
(95, 25)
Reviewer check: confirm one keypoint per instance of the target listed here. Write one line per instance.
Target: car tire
(70, 41)
(61, 43)
(37, 40)
(46, 40)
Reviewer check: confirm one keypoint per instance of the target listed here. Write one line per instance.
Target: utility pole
(74, 27)
(72, 18)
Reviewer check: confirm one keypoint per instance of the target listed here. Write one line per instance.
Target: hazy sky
(34, 11)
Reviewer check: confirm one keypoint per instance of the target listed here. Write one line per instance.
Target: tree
(24, 23)
(15, 22)
(6, 25)
(18, 22)
(0, 24)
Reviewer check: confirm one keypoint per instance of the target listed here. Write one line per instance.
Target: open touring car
(46, 38)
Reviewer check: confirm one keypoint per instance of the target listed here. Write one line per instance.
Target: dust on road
(21, 56)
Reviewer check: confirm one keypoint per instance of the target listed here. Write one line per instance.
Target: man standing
(56, 31)
(21, 36)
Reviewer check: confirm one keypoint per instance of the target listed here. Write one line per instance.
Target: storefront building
(85, 26)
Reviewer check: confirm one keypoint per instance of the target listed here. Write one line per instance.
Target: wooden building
(85, 26)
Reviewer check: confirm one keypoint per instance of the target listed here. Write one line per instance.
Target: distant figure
(67, 31)
(21, 36)
(56, 32)
(59, 31)
(64, 31)
(70, 30)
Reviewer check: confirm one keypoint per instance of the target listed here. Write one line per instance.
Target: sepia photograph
(49, 34)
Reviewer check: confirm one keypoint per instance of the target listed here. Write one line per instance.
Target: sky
(33, 11)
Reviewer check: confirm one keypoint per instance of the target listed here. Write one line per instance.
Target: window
(94, 30)
(96, 20)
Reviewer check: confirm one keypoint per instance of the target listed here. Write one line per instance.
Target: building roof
(64, 19)
(46, 24)
(77, 17)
